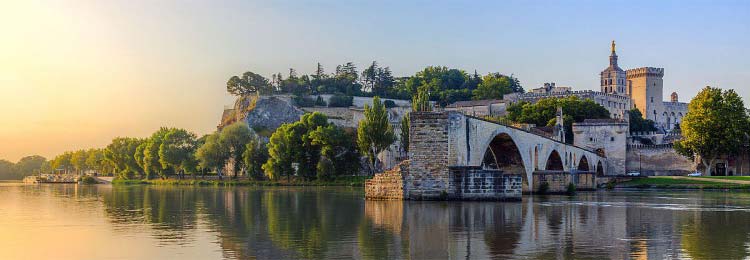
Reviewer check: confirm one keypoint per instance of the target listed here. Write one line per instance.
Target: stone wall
(656, 161)
(558, 181)
(475, 183)
(607, 136)
(388, 185)
(428, 148)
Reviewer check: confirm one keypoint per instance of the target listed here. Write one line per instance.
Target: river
(189, 222)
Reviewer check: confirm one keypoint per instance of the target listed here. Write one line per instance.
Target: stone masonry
(388, 185)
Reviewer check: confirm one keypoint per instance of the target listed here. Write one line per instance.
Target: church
(622, 90)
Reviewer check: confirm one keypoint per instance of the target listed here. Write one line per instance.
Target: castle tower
(613, 77)
(645, 86)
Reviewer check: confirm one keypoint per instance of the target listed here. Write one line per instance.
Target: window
(591, 139)
(612, 139)
(652, 99)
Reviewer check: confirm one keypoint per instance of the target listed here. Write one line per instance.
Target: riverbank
(350, 181)
(682, 182)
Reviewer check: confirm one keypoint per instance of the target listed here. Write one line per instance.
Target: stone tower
(613, 77)
(559, 130)
(645, 86)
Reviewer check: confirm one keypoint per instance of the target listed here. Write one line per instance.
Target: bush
(320, 102)
(389, 104)
(88, 180)
(610, 185)
(571, 189)
(303, 101)
(341, 101)
(543, 188)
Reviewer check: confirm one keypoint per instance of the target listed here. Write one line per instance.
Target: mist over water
(158, 222)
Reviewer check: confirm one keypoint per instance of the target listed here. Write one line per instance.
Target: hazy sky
(74, 74)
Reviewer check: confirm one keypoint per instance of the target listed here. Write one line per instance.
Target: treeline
(26, 166)
(443, 85)
(312, 149)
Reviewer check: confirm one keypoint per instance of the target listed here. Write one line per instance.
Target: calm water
(148, 222)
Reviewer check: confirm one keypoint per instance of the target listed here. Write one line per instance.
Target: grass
(353, 181)
(668, 183)
(736, 178)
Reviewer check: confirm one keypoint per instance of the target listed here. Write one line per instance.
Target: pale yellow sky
(70, 79)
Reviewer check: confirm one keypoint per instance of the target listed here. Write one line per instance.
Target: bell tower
(613, 77)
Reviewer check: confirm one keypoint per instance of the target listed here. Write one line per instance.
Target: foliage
(543, 112)
(389, 104)
(177, 151)
(234, 139)
(375, 132)
(421, 101)
(7, 170)
(405, 122)
(378, 80)
(121, 154)
(340, 101)
(571, 190)
(338, 152)
(638, 124)
(149, 154)
(29, 165)
(247, 84)
(88, 180)
(716, 124)
(254, 156)
(303, 101)
(493, 86)
(212, 155)
(320, 102)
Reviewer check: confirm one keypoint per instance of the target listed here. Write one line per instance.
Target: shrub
(543, 188)
(303, 101)
(610, 185)
(88, 180)
(341, 101)
(571, 189)
(389, 104)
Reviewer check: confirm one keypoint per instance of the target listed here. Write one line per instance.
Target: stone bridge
(454, 156)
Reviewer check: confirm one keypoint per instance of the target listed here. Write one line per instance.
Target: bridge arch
(583, 164)
(599, 169)
(502, 153)
(554, 162)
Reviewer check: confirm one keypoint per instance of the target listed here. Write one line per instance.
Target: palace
(622, 90)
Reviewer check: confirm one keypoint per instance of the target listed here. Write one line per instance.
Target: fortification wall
(657, 161)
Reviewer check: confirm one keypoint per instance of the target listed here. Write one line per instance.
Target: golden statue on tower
(613, 46)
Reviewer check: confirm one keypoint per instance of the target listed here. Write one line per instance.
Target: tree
(716, 124)
(212, 155)
(337, 151)
(421, 102)
(542, 113)
(29, 165)
(121, 153)
(255, 155)
(639, 124)
(492, 86)
(405, 133)
(177, 151)
(247, 84)
(150, 154)
(375, 132)
(234, 139)
(78, 160)
(62, 162)
(292, 143)
(95, 160)
(7, 170)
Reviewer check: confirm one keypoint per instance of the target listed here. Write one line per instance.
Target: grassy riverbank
(668, 182)
(353, 181)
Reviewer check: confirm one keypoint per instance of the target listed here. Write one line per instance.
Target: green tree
(716, 124)
(62, 162)
(639, 124)
(375, 132)
(292, 144)
(542, 113)
(95, 160)
(29, 165)
(177, 151)
(234, 139)
(248, 83)
(7, 170)
(255, 155)
(421, 101)
(405, 133)
(338, 153)
(212, 155)
(121, 154)
(78, 160)
(150, 154)
(493, 86)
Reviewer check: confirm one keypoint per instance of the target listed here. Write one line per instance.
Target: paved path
(707, 179)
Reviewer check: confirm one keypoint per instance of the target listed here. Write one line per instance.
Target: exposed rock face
(270, 113)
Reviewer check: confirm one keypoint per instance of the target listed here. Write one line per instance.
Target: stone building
(620, 91)
(608, 137)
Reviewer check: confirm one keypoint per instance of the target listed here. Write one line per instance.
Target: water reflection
(325, 223)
